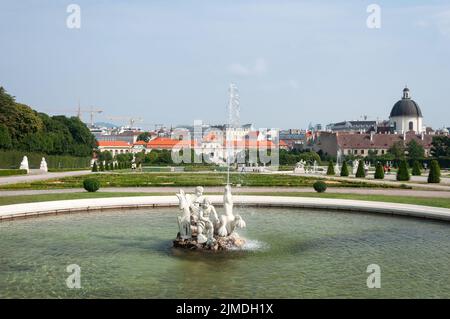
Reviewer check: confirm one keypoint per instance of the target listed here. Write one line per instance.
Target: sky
(171, 62)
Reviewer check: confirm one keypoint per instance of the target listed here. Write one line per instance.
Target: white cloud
(442, 21)
(259, 67)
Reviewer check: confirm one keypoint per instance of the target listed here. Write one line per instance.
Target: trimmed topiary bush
(330, 169)
(95, 167)
(344, 169)
(435, 172)
(403, 172)
(379, 171)
(320, 186)
(360, 172)
(102, 166)
(416, 169)
(91, 185)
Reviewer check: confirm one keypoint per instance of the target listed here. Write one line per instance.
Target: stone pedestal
(220, 243)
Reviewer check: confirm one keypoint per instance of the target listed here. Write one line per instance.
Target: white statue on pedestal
(24, 164)
(355, 167)
(300, 167)
(43, 167)
(133, 162)
(184, 221)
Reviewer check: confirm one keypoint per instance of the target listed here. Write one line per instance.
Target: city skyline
(293, 62)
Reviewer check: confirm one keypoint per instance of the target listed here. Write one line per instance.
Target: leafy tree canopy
(31, 131)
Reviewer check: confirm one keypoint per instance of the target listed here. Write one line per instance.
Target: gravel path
(39, 177)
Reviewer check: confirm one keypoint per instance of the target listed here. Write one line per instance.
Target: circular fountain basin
(290, 253)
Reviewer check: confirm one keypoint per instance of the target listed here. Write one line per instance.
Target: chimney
(422, 136)
(371, 136)
(404, 135)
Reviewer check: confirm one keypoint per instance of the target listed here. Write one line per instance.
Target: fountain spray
(233, 121)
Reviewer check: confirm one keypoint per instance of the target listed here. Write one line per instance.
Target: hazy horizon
(294, 62)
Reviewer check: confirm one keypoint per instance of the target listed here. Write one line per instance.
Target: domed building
(406, 115)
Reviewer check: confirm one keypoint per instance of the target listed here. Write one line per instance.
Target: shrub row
(12, 159)
(9, 172)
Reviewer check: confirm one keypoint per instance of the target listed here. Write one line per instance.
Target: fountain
(315, 167)
(201, 228)
(199, 225)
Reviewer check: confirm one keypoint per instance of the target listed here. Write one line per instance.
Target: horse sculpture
(229, 222)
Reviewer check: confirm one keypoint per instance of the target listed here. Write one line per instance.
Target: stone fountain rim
(19, 211)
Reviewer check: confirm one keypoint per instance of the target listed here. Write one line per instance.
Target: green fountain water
(291, 253)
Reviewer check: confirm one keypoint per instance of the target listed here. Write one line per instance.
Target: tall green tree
(38, 132)
(5, 137)
(397, 150)
(144, 136)
(415, 150)
(440, 146)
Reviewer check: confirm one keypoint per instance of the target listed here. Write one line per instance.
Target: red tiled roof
(167, 143)
(113, 144)
(379, 141)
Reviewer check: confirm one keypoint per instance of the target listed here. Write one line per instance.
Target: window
(382, 151)
(356, 152)
(395, 125)
(411, 126)
(362, 151)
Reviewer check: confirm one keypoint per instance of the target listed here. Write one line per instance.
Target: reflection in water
(290, 253)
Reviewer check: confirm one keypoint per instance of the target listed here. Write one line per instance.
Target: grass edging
(423, 201)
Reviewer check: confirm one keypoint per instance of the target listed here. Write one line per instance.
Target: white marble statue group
(25, 166)
(199, 217)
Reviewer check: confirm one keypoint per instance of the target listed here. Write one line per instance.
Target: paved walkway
(240, 190)
(39, 177)
(68, 206)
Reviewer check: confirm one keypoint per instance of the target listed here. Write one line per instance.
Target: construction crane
(130, 120)
(92, 112)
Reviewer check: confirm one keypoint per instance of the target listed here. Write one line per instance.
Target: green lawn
(435, 202)
(187, 179)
